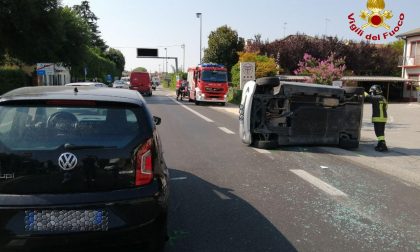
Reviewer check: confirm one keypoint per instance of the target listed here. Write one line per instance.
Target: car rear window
(49, 127)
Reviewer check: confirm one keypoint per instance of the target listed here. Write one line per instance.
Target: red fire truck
(208, 82)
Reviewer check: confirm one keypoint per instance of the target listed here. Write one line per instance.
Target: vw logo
(67, 161)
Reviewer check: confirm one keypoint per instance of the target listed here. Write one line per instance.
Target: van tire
(268, 81)
(348, 144)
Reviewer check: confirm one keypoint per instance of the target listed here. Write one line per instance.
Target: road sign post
(247, 73)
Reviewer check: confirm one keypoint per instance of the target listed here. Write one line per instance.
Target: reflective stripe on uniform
(381, 138)
(379, 119)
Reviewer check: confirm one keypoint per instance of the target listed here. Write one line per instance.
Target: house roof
(412, 33)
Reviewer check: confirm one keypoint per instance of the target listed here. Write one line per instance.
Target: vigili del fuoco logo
(376, 16)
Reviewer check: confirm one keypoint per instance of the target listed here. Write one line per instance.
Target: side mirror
(157, 120)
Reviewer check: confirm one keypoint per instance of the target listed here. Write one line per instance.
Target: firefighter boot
(381, 147)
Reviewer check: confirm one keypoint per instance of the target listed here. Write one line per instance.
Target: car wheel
(161, 234)
(348, 144)
(354, 90)
(268, 81)
(263, 144)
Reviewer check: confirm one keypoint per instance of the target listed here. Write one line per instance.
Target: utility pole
(166, 59)
(199, 15)
(183, 57)
(326, 26)
(284, 29)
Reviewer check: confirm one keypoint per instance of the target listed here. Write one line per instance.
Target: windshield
(47, 128)
(214, 76)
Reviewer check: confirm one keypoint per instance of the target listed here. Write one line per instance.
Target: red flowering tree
(321, 71)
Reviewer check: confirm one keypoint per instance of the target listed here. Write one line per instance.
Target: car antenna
(76, 90)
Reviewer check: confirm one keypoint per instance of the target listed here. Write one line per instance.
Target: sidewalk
(403, 139)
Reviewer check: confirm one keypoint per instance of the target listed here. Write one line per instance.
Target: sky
(130, 24)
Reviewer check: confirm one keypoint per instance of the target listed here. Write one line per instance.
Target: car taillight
(144, 167)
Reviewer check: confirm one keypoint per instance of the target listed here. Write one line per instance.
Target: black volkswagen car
(80, 167)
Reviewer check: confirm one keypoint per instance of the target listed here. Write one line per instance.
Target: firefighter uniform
(379, 115)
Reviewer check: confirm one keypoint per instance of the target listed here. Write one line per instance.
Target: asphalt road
(226, 196)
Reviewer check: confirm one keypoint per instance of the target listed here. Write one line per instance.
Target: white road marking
(227, 131)
(327, 188)
(193, 111)
(179, 178)
(262, 151)
(221, 195)
(324, 167)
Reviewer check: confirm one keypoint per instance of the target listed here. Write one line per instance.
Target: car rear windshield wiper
(69, 146)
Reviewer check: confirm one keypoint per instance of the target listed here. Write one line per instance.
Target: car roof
(84, 84)
(74, 93)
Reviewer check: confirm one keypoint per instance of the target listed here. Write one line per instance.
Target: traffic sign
(40, 72)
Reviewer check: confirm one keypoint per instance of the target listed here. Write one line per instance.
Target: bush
(12, 78)
(234, 95)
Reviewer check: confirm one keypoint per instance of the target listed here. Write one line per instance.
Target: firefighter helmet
(375, 90)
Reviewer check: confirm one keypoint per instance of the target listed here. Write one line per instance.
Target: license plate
(66, 220)
(215, 99)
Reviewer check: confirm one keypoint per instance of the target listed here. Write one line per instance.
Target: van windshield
(214, 76)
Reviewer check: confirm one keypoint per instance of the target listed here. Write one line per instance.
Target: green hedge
(12, 78)
(234, 95)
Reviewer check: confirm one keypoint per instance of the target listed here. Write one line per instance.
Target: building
(50, 74)
(410, 61)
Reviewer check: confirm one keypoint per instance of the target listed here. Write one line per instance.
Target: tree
(41, 31)
(117, 57)
(83, 10)
(224, 45)
(140, 69)
(322, 71)
(26, 28)
(264, 66)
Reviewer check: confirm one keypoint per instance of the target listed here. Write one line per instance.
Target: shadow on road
(205, 217)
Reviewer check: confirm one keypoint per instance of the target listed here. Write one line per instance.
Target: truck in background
(208, 82)
(140, 81)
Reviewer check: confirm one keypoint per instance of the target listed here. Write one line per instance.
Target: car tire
(161, 234)
(268, 82)
(354, 90)
(348, 144)
(263, 144)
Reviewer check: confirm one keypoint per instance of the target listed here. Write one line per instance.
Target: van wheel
(348, 144)
(268, 81)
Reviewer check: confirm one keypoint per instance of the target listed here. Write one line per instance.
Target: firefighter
(379, 115)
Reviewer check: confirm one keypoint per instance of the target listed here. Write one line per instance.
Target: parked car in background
(140, 81)
(82, 169)
(120, 84)
(86, 84)
(274, 113)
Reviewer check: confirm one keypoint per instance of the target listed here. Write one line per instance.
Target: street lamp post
(199, 15)
(183, 57)
(166, 59)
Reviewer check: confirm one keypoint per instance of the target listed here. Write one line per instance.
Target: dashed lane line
(227, 131)
(325, 187)
(193, 111)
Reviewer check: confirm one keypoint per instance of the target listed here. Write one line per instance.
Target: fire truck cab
(208, 82)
